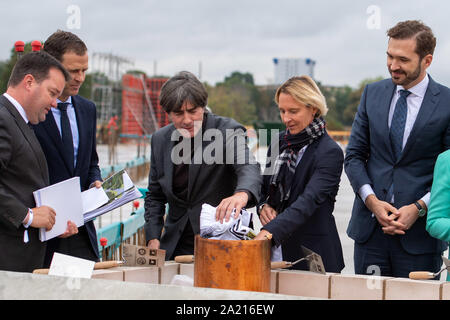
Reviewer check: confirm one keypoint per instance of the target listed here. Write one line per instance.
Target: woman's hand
(263, 235)
(267, 214)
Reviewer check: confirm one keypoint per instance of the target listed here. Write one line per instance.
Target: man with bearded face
(401, 126)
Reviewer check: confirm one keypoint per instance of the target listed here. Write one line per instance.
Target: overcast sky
(346, 38)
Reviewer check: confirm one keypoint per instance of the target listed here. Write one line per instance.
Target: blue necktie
(398, 123)
(397, 131)
(66, 134)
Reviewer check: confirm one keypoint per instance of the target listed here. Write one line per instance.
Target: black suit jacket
(369, 160)
(87, 159)
(208, 183)
(308, 218)
(22, 170)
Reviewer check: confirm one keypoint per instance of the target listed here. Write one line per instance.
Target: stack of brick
(302, 283)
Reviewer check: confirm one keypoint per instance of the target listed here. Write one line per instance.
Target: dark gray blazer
(23, 169)
(369, 159)
(86, 168)
(208, 183)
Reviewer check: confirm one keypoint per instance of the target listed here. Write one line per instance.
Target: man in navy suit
(68, 139)
(401, 126)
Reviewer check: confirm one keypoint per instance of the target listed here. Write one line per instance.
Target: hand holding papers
(117, 190)
(65, 198)
(70, 204)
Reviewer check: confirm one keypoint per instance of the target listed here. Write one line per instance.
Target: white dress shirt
(414, 102)
(17, 105)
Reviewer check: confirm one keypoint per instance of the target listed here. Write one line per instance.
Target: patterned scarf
(286, 162)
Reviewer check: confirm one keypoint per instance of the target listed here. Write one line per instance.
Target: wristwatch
(422, 211)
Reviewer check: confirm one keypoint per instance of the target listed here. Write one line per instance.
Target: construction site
(128, 109)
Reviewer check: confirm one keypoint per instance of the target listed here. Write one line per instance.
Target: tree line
(238, 97)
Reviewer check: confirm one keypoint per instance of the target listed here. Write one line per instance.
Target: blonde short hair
(303, 89)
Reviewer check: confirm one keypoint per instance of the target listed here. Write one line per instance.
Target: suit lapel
(307, 157)
(429, 104)
(29, 135)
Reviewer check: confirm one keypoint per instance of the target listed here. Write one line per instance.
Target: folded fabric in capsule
(233, 229)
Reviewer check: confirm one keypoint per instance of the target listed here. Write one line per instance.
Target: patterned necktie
(398, 123)
(66, 133)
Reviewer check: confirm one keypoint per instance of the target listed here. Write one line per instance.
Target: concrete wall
(16, 286)
(154, 283)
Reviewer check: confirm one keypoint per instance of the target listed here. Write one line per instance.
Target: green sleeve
(438, 218)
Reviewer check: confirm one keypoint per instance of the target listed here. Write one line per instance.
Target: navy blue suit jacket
(87, 159)
(369, 159)
(308, 218)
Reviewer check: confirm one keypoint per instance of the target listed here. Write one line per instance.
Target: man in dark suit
(36, 81)
(199, 158)
(68, 139)
(401, 126)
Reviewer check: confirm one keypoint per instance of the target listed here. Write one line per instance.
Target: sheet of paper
(127, 183)
(65, 198)
(68, 266)
(93, 198)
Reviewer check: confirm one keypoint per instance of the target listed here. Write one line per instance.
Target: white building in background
(286, 68)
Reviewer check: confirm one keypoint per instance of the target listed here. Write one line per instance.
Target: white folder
(65, 198)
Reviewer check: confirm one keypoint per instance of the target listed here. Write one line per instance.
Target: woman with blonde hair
(301, 179)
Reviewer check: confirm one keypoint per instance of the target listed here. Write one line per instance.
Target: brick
(357, 287)
(273, 281)
(304, 283)
(108, 274)
(406, 289)
(445, 291)
(168, 271)
(141, 274)
(187, 269)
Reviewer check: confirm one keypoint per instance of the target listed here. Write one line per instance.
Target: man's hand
(153, 244)
(381, 210)
(43, 217)
(237, 201)
(70, 231)
(267, 214)
(407, 217)
(96, 183)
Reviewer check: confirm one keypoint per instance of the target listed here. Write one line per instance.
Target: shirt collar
(419, 89)
(17, 105)
(69, 100)
(56, 111)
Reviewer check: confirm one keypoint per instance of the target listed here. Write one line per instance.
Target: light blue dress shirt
(73, 125)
